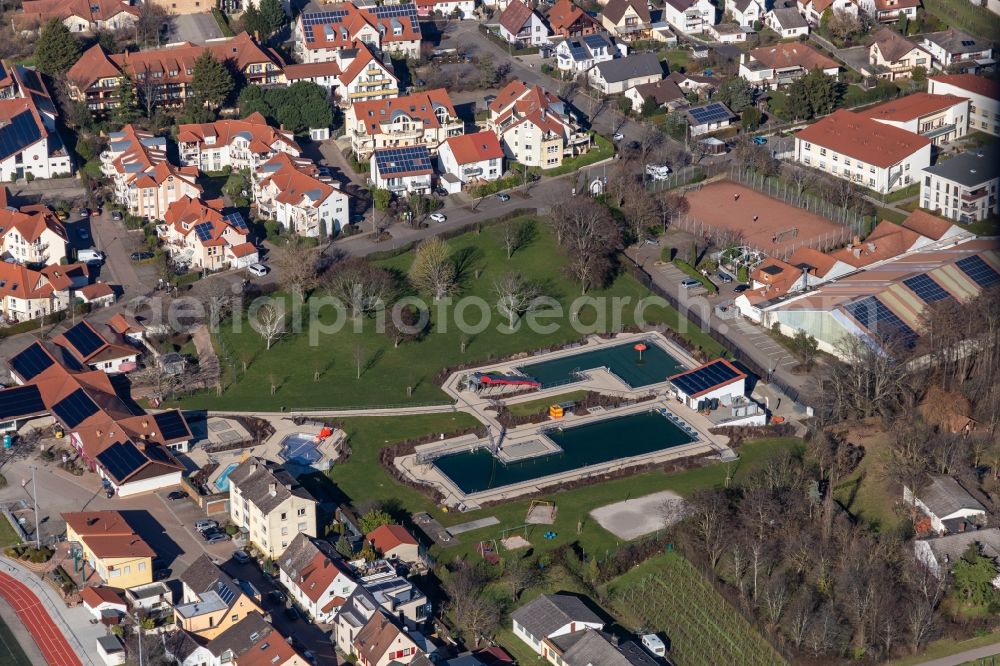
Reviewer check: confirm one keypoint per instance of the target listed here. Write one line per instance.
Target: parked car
(440, 191)
(90, 256)
(740, 288)
(725, 277)
(176, 495)
(617, 136)
(277, 596)
(140, 256)
(84, 212)
(438, 217)
(657, 171)
(241, 556)
(690, 282)
(62, 215)
(260, 270)
(760, 140)
(291, 613)
(503, 196)
(206, 524)
(116, 215)
(217, 537)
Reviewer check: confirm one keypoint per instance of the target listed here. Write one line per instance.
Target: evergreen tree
(815, 94)
(272, 17)
(128, 104)
(649, 107)
(974, 574)
(343, 547)
(736, 93)
(253, 22)
(56, 49)
(750, 119)
(211, 83)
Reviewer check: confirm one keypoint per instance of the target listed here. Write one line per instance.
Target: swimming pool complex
(300, 448)
(614, 438)
(222, 481)
(654, 366)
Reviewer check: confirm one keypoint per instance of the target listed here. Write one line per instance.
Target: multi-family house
(663, 93)
(745, 13)
(889, 11)
(522, 26)
(250, 642)
(198, 234)
(854, 147)
(79, 16)
(457, 9)
(355, 74)
(27, 294)
(92, 349)
(145, 183)
(237, 144)
(111, 547)
(567, 19)
(627, 19)
(813, 10)
(393, 593)
(270, 505)
(421, 119)
(382, 642)
(781, 64)
(788, 23)
(163, 76)
(958, 51)
(351, 618)
(578, 54)
(689, 16)
(211, 601)
(534, 127)
(471, 158)
(321, 30)
(407, 170)
(30, 145)
(293, 192)
(964, 187)
(549, 617)
(983, 95)
(616, 76)
(316, 577)
(31, 235)
(940, 118)
(894, 57)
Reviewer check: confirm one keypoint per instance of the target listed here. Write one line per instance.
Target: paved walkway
(37, 618)
(965, 657)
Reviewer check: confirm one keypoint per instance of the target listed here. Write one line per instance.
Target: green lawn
(965, 16)
(947, 647)
(676, 59)
(535, 406)
(8, 537)
(11, 653)
(601, 151)
(387, 371)
(889, 214)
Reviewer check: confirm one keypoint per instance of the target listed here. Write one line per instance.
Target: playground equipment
(541, 512)
(498, 382)
(556, 411)
(640, 347)
(325, 433)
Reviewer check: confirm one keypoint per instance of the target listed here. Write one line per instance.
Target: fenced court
(742, 215)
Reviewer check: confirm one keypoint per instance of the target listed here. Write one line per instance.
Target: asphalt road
(195, 28)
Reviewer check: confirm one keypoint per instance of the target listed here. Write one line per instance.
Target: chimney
(857, 252)
(856, 240)
(871, 247)
(272, 489)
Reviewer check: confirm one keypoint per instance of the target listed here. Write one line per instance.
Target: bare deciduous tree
(515, 296)
(515, 235)
(473, 612)
(362, 287)
(432, 270)
(270, 323)
(298, 266)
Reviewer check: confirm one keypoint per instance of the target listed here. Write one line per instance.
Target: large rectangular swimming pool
(654, 366)
(590, 444)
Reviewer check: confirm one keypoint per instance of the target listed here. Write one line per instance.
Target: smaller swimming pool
(222, 481)
(300, 448)
(637, 369)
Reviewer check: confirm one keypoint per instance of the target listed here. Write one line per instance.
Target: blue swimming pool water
(222, 483)
(654, 365)
(301, 449)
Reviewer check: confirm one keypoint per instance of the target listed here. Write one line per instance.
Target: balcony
(975, 195)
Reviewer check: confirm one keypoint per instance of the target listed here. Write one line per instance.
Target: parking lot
(194, 28)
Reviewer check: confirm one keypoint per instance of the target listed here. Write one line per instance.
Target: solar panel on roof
(391, 11)
(595, 41)
(320, 18)
(31, 362)
(84, 339)
(711, 113)
(236, 221)
(402, 160)
(879, 319)
(704, 378)
(20, 401)
(121, 460)
(75, 408)
(203, 231)
(225, 593)
(18, 134)
(926, 289)
(978, 271)
(171, 425)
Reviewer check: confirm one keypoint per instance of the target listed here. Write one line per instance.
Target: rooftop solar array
(711, 113)
(577, 51)
(84, 339)
(320, 18)
(226, 593)
(20, 401)
(171, 425)
(879, 319)
(203, 231)
(121, 460)
(31, 362)
(408, 10)
(402, 160)
(75, 408)
(978, 271)
(926, 289)
(709, 376)
(595, 41)
(236, 221)
(18, 134)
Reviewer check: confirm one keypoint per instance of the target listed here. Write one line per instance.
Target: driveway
(195, 28)
(117, 243)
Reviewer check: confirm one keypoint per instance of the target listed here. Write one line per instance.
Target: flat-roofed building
(964, 188)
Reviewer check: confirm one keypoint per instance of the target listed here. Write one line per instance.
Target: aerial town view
(499, 332)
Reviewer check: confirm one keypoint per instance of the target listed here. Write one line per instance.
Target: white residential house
(579, 54)
(781, 64)
(198, 234)
(689, 16)
(355, 74)
(959, 51)
(788, 23)
(32, 235)
(889, 11)
(551, 616)
(983, 95)
(949, 506)
(237, 144)
(423, 118)
(708, 118)
(856, 148)
(941, 554)
(745, 12)
(522, 26)
(728, 33)
(403, 171)
(317, 579)
(616, 76)
(940, 118)
(471, 158)
(964, 188)
(30, 145)
(812, 10)
(293, 192)
(894, 57)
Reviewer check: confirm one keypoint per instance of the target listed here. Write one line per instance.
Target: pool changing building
(719, 387)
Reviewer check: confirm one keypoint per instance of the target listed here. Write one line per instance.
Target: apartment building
(355, 74)
(321, 30)
(781, 64)
(270, 505)
(403, 171)
(164, 74)
(983, 95)
(940, 118)
(31, 235)
(421, 119)
(316, 577)
(237, 144)
(198, 234)
(293, 192)
(893, 57)
(250, 642)
(534, 127)
(689, 16)
(964, 188)
(111, 547)
(854, 147)
(382, 642)
(145, 183)
(211, 601)
(26, 293)
(30, 144)
(79, 16)
(958, 51)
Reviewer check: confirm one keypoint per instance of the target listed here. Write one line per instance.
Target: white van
(90, 256)
(657, 171)
(260, 270)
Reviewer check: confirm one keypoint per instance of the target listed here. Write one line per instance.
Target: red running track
(35, 617)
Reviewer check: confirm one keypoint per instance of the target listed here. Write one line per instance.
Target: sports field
(767, 224)
(10, 651)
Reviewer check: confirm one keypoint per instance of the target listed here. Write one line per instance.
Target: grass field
(866, 493)
(388, 372)
(8, 537)
(535, 406)
(946, 647)
(666, 594)
(11, 653)
(965, 16)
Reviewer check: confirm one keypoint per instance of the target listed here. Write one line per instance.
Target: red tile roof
(122, 323)
(891, 44)
(388, 537)
(187, 213)
(792, 55)
(263, 138)
(421, 105)
(39, 11)
(928, 225)
(912, 106)
(979, 85)
(346, 31)
(515, 16)
(95, 596)
(273, 650)
(469, 148)
(297, 183)
(862, 138)
(107, 534)
(564, 14)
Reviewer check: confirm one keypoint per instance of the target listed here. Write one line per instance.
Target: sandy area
(635, 517)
